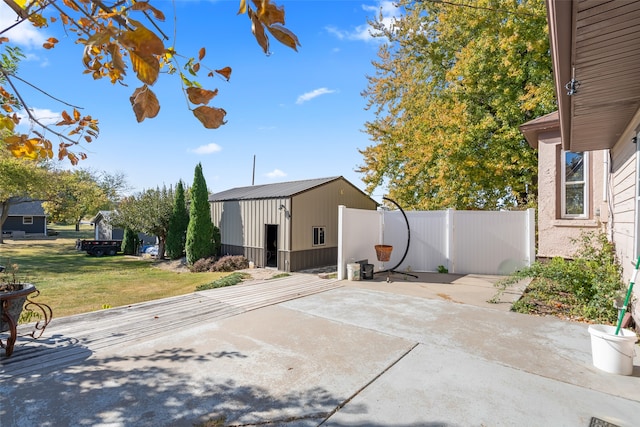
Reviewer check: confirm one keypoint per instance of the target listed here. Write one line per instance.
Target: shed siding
(242, 222)
(302, 260)
(319, 207)
(242, 227)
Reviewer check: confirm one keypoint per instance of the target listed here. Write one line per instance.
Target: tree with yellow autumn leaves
(452, 84)
(122, 41)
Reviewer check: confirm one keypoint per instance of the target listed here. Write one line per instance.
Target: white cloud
(363, 32)
(24, 33)
(276, 173)
(313, 94)
(43, 115)
(207, 149)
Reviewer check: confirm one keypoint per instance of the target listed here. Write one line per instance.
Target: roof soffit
(597, 42)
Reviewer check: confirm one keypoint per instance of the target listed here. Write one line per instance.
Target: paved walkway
(303, 351)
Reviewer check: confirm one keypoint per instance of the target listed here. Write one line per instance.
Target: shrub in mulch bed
(224, 264)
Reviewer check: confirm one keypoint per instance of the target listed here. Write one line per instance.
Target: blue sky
(301, 114)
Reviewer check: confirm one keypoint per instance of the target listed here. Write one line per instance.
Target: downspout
(608, 192)
(605, 181)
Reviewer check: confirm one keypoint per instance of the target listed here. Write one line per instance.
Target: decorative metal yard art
(383, 252)
(12, 304)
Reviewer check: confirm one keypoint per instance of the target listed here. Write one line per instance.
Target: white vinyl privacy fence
(463, 242)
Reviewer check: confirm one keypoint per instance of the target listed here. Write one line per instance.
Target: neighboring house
(290, 226)
(572, 192)
(595, 47)
(102, 230)
(26, 216)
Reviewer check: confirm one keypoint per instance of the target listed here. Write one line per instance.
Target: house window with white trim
(575, 188)
(318, 236)
(27, 220)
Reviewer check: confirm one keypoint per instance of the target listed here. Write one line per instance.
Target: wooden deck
(75, 338)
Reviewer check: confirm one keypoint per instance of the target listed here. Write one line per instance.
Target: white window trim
(25, 221)
(563, 187)
(324, 235)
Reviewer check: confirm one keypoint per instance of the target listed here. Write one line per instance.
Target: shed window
(318, 236)
(575, 196)
(27, 220)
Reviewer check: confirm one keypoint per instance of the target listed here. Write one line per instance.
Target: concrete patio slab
(269, 365)
(303, 351)
(436, 386)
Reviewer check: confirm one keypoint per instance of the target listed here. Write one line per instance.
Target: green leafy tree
(178, 223)
(20, 180)
(147, 212)
(79, 193)
(451, 87)
(200, 230)
(114, 186)
(75, 195)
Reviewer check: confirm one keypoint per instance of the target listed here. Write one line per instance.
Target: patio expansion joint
(374, 379)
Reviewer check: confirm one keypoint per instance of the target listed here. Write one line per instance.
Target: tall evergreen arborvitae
(130, 242)
(178, 223)
(200, 230)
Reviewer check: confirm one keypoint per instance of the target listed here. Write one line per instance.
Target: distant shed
(290, 226)
(103, 230)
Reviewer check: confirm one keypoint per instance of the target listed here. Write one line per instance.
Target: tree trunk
(162, 240)
(4, 205)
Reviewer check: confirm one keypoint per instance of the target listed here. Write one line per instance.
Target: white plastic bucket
(353, 271)
(612, 353)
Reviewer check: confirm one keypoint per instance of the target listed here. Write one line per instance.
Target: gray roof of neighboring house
(271, 191)
(26, 207)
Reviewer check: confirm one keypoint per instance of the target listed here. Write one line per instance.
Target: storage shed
(290, 226)
(103, 230)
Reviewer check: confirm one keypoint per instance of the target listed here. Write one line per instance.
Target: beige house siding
(624, 213)
(624, 181)
(556, 235)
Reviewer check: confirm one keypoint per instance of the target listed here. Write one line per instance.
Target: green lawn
(72, 282)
